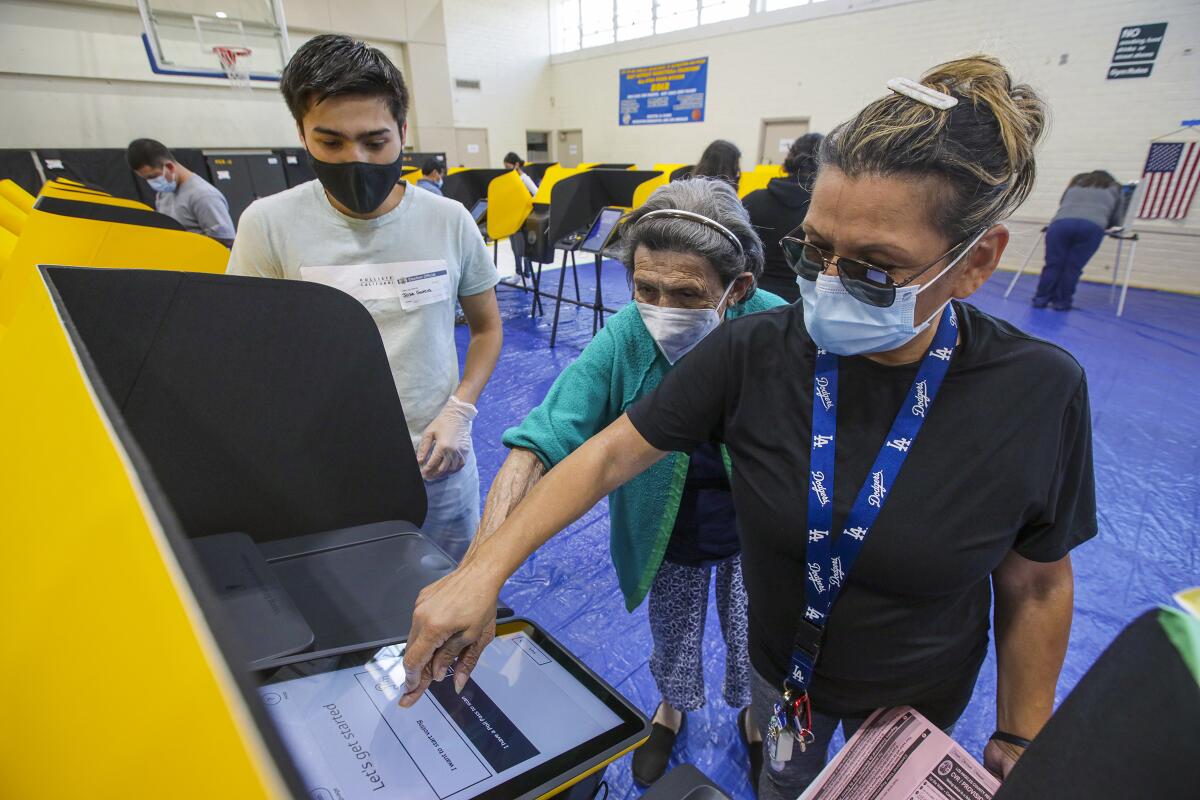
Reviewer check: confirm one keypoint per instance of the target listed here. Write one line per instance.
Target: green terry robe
(620, 365)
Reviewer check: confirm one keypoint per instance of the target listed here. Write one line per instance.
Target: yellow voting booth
(73, 225)
(758, 178)
(509, 203)
(112, 678)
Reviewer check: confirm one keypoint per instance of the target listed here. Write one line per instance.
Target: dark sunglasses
(865, 282)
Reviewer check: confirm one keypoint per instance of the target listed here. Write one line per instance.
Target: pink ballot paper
(897, 754)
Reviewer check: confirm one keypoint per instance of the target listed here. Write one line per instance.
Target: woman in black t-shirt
(819, 404)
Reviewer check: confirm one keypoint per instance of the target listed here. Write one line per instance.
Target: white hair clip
(922, 93)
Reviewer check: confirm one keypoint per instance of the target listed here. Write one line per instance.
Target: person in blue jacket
(693, 259)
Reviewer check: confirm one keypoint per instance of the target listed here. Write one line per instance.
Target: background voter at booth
(359, 228)
(673, 526)
(432, 173)
(1091, 205)
(517, 240)
(721, 159)
(779, 208)
(181, 194)
(881, 366)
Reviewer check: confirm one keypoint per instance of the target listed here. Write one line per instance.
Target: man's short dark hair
(147, 153)
(432, 164)
(332, 65)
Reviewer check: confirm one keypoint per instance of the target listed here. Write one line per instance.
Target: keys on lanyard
(790, 726)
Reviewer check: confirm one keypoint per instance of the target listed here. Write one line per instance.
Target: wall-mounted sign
(1137, 48)
(664, 93)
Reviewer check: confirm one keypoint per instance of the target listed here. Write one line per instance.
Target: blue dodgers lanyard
(829, 565)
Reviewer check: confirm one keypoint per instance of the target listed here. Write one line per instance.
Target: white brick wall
(828, 68)
(505, 46)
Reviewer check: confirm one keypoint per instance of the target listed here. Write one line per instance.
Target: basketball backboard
(182, 37)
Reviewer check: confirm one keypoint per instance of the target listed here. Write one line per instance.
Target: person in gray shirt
(432, 173)
(181, 194)
(1091, 205)
(406, 254)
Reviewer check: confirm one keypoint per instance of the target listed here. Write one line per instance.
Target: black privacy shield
(358, 185)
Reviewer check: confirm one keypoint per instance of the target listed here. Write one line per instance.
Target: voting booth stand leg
(575, 273)
(536, 306)
(558, 299)
(598, 307)
(1112, 287)
(1012, 284)
(1128, 272)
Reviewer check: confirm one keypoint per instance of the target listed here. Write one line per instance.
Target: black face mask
(358, 185)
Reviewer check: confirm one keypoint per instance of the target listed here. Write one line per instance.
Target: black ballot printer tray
(357, 585)
(322, 591)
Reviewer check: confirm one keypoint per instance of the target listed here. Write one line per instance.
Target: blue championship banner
(664, 93)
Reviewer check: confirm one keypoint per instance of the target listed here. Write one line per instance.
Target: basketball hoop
(238, 74)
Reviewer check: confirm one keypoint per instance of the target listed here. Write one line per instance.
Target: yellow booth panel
(71, 190)
(112, 681)
(643, 192)
(82, 242)
(759, 178)
(508, 205)
(453, 170)
(553, 175)
(411, 174)
(13, 193)
(12, 219)
(8, 243)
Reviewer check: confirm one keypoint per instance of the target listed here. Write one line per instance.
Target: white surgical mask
(841, 323)
(161, 183)
(677, 330)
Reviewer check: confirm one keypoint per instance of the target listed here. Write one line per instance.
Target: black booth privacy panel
(17, 165)
(262, 406)
(296, 169)
(107, 169)
(245, 178)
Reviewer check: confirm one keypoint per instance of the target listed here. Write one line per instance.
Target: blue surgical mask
(677, 330)
(161, 183)
(841, 323)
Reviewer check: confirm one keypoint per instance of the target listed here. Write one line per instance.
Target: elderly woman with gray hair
(693, 260)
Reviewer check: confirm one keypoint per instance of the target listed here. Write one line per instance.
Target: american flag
(1171, 173)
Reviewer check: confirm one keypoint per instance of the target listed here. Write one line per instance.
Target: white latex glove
(447, 441)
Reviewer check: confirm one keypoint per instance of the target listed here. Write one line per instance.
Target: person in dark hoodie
(778, 209)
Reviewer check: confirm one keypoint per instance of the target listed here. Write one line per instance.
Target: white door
(472, 147)
(777, 136)
(570, 148)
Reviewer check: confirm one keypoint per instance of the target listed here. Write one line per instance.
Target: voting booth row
(242, 175)
(576, 210)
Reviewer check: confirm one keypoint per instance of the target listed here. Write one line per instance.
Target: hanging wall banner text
(664, 93)
(1137, 47)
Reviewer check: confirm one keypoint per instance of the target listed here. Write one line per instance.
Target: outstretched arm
(455, 617)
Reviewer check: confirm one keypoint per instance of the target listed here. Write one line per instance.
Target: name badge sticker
(413, 283)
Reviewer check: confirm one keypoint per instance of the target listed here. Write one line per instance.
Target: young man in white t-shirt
(405, 254)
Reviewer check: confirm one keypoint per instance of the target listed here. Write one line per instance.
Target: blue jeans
(1070, 244)
(453, 514)
(803, 768)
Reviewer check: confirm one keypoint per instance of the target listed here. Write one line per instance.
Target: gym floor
(1144, 376)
